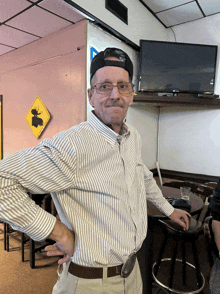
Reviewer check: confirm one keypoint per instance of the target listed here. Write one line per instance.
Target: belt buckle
(128, 265)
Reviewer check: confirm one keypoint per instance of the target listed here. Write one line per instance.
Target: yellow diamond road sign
(38, 117)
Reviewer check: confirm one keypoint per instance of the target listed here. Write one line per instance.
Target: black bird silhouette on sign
(36, 121)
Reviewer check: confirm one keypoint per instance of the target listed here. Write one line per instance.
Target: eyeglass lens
(123, 88)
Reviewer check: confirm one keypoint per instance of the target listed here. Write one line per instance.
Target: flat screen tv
(177, 67)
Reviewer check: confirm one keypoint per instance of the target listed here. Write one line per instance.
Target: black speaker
(118, 9)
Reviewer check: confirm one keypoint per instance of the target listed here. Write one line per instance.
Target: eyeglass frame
(132, 87)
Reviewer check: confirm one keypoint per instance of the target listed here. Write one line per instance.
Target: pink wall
(53, 69)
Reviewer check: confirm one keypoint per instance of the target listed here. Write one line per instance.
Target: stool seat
(195, 227)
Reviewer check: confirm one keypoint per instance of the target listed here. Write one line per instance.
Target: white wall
(189, 137)
(189, 140)
(145, 118)
(141, 23)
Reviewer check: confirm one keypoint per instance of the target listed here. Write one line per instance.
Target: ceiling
(25, 21)
(174, 12)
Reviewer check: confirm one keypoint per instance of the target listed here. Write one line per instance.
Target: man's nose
(115, 93)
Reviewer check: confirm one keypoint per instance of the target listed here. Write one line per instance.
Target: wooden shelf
(179, 100)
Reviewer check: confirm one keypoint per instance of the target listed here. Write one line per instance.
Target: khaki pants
(69, 284)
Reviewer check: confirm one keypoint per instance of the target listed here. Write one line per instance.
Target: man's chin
(115, 120)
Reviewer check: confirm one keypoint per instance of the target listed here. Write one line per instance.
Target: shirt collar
(107, 132)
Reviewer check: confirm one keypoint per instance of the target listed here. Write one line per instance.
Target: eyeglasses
(106, 88)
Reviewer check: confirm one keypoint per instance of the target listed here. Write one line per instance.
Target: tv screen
(169, 67)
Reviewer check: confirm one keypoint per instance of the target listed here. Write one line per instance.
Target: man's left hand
(181, 217)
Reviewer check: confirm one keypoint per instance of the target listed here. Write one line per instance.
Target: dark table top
(197, 203)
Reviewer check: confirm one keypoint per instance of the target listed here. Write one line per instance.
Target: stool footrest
(173, 289)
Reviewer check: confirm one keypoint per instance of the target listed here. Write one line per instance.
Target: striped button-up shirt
(99, 186)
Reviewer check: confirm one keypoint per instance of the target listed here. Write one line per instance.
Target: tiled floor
(16, 277)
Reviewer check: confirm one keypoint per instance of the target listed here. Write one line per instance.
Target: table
(197, 203)
(154, 214)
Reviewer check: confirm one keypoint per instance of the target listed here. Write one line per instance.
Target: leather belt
(93, 272)
(84, 272)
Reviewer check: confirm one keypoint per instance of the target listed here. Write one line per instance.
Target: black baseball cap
(99, 61)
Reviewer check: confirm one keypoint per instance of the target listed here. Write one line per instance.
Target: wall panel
(58, 78)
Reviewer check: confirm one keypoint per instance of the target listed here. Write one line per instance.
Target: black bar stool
(175, 233)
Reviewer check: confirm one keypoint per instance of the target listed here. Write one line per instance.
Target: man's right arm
(49, 167)
(21, 212)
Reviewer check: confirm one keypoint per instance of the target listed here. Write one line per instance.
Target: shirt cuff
(168, 209)
(42, 226)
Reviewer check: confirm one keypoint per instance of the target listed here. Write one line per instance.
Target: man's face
(111, 109)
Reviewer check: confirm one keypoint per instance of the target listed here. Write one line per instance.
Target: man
(99, 185)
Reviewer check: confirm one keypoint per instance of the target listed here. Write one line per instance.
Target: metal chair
(201, 190)
(178, 184)
(213, 185)
(21, 237)
(4, 232)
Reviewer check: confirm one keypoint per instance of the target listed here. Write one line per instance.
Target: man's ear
(131, 99)
(90, 93)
